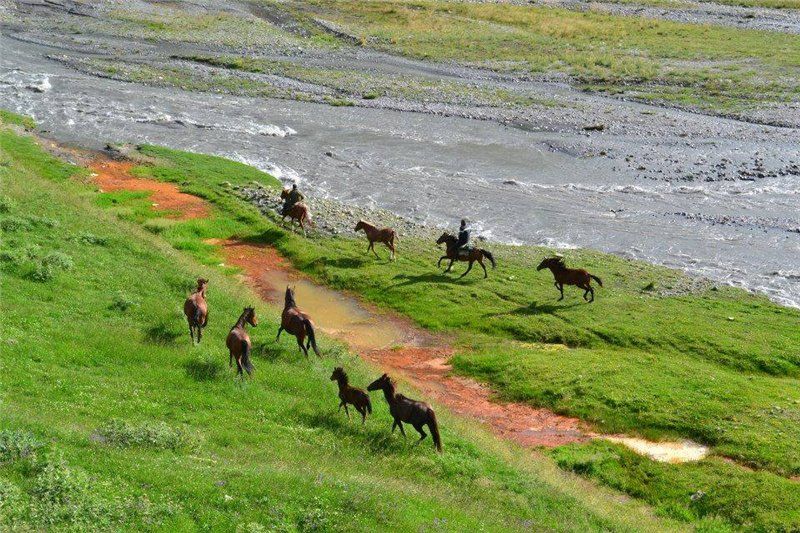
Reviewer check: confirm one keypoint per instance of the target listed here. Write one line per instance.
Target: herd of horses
(298, 323)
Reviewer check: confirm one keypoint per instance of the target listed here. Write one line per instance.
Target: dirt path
(386, 339)
(113, 175)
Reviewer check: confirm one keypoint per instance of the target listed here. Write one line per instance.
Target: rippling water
(509, 182)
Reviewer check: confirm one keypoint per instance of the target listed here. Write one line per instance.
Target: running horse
(238, 341)
(569, 276)
(297, 213)
(354, 396)
(298, 323)
(387, 236)
(454, 254)
(402, 409)
(196, 310)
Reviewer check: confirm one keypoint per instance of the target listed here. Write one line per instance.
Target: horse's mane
(342, 374)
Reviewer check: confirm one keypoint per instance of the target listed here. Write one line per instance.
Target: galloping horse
(356, 397)
(402, 409)
(471, 255)
(569, 276)
(196, 310)
(238, 341)
(297, 213)
(296, 322)
(386, 235)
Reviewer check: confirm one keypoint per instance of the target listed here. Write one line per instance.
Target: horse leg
(394, 425)
(560, 287)
(191, 332)
(439, 264)
(239, 366)
(280, 329)
(421, 431)
(391, 248)
(372, 245)
(300, 343)
(480, 262)
(591, 292)
(346, 411)
(230, 358)
(199, 333)
(449, 266)
(361, 409)
(468, 269)
(400, 425)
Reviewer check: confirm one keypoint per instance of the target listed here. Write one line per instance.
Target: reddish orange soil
(115, 176)
(417, 355)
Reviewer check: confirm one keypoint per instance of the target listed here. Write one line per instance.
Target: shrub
(148, 434)
(49, 265)
(18, 445)
(123, 302)
(7, 204)
(15, 224)
(91, 238)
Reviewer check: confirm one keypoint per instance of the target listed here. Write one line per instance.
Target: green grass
(710, 363)
(112, 420)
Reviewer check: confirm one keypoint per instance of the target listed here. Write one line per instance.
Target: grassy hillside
(656, 354)
(111, 419)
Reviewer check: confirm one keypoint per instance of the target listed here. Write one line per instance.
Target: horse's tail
(369, 404)
(246, 364)
(434, 427)
(197, 316)
(490, 256)
(598, 280)
(310, 331)
(308, 218)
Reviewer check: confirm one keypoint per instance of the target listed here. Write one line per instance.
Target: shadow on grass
(205, 369)
(164, 333)
(375, 436)
(433, 277)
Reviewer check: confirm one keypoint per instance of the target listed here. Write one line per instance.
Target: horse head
(382, 383)
(201, 284)
(551, 262)
(251, 316)
(289, 300)
(338, 373)
(285, 194)
(446, 237)
(360, 225)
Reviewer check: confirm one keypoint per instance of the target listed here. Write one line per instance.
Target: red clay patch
(115, 176)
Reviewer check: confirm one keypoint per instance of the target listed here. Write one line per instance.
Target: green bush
(148, 434)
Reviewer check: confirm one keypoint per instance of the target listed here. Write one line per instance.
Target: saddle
(464, 252)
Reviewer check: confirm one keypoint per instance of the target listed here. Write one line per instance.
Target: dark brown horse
(569, 276)
(386, 235)
(238, 341)
(472, 254)
(402, 409)
(196, 310)
(358, 398)
(296, 322)
(297, 213)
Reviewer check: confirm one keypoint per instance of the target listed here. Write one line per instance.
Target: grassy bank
(706, 66)
(657, 354)
(112, 420)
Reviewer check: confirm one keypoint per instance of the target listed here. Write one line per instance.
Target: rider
(463, 237)
(294, 197)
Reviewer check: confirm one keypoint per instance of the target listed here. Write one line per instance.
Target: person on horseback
(294, 197)
(463, 237)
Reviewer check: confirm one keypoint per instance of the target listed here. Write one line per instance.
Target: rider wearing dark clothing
(294, 197)
(463, 236)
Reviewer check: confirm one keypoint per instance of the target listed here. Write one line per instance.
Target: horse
(386, 235)
(238, 341)
(196, 310)
(471, 255)
(403, 409)
(298, 323)
(297, 213)
(569, 276)
(358, 398)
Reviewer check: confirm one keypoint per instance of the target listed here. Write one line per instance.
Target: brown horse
(386, 235)
(296, 322)
(358, 398)
(238, 341)
(569, 276)
(196, 310)
(297, 213)
(453, 254)
(403, 409)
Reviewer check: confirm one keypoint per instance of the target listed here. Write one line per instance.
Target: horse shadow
(424, 278)
(345, 262)
(535, 308)
(203, 369)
